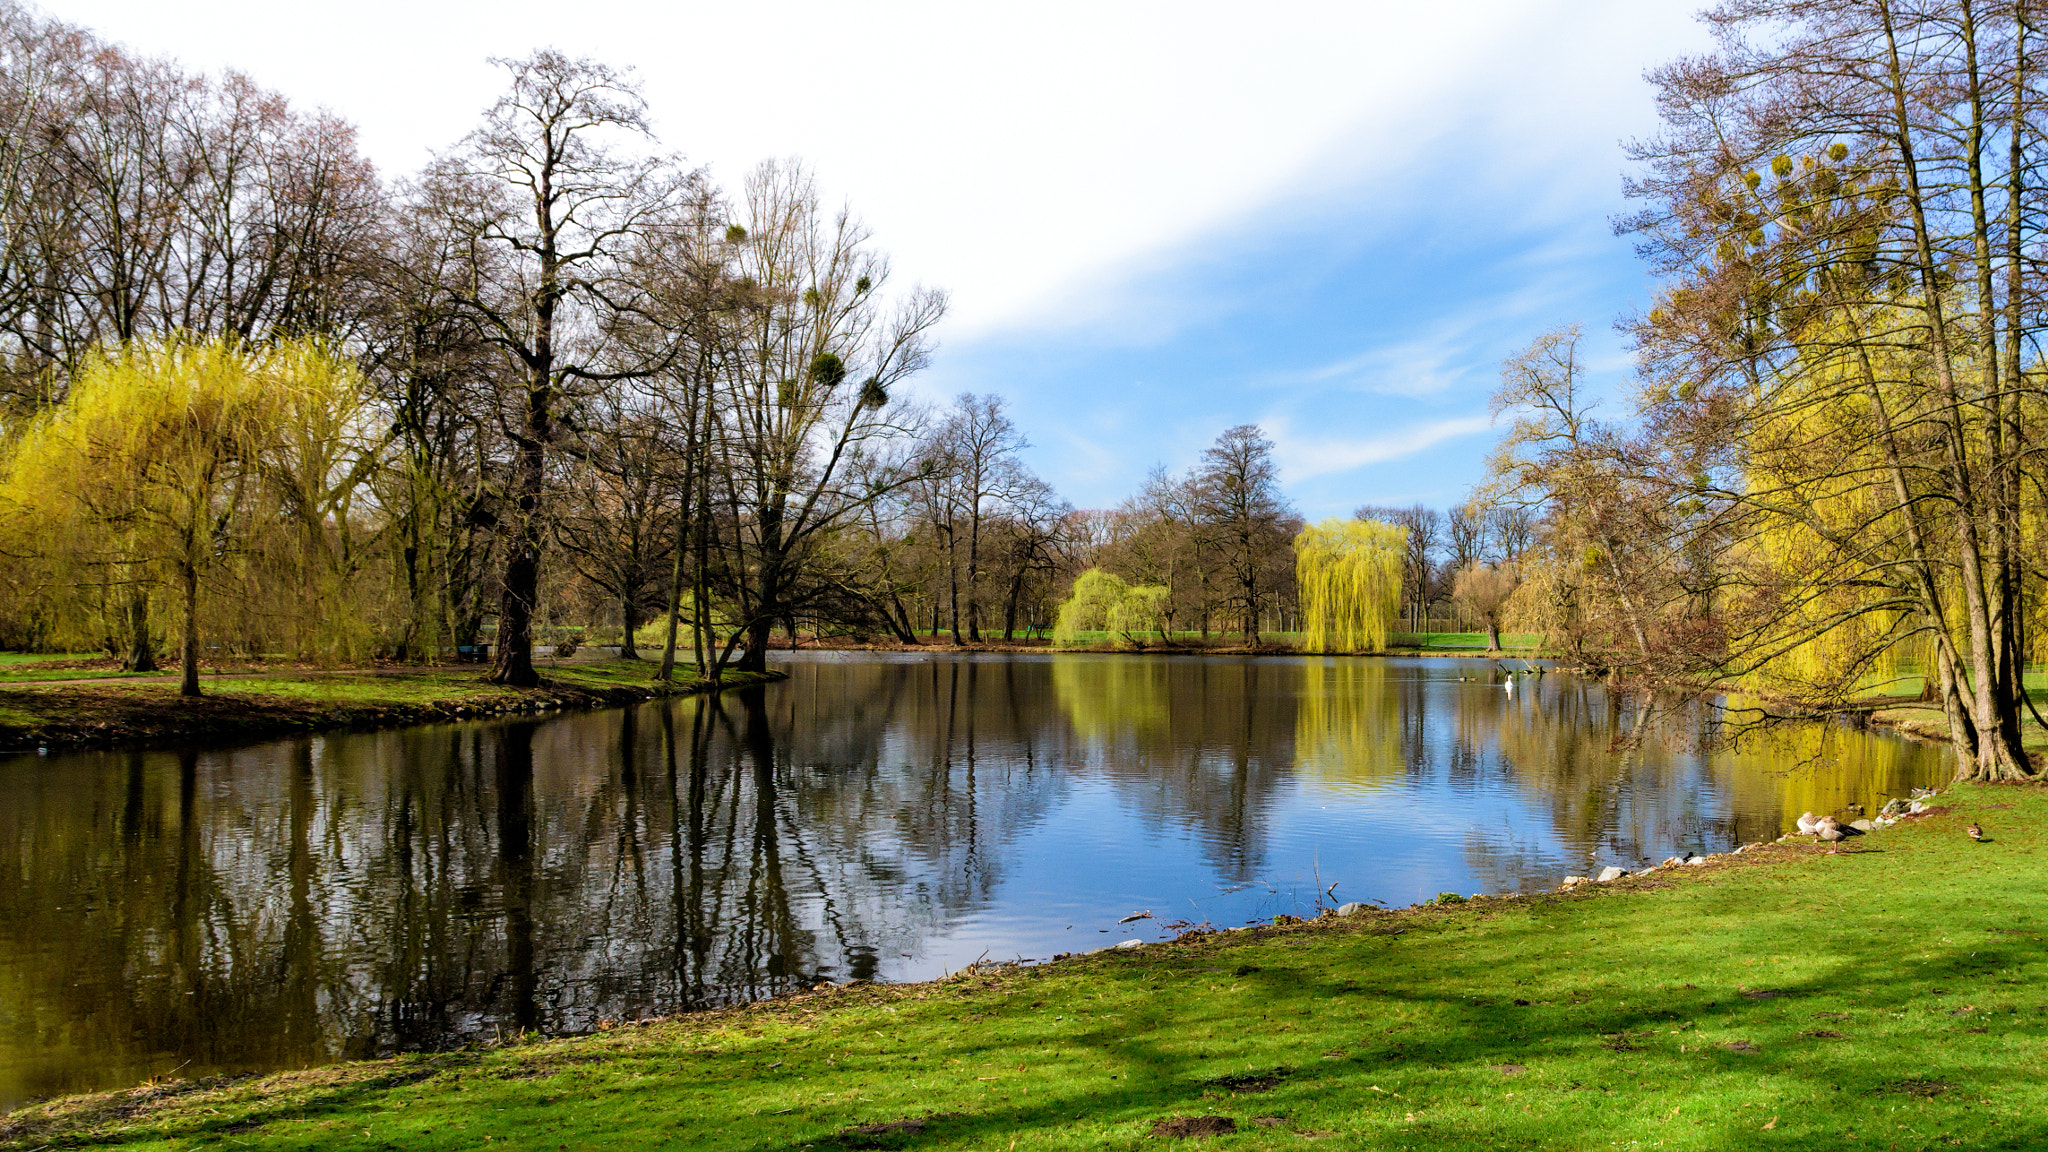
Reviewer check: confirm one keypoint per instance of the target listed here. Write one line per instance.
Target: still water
(875, 816)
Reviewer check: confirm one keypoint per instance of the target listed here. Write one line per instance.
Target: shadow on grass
(1681, 1061)
(74, 1130)
(1795, 1003)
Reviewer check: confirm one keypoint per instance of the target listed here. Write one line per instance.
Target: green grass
(21, 675)
(1930, 721)
(236, 706)
(1892, 997)
(1511, 642)
(10, 659)
(26, 666)
(429, 686)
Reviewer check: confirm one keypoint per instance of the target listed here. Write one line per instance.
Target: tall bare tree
(1239, 500)
(548, 205)
(805, 392)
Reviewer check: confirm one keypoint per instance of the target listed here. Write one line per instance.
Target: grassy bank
(1927, 720)
(1895, 996)
(130, 712)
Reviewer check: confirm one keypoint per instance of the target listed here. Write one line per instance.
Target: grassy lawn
(21, 675)
(1895, 996)
(1930, 721)
(16, 666)
(1510, 642)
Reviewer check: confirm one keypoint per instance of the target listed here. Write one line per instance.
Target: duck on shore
(1834, 832)
(1809, 824)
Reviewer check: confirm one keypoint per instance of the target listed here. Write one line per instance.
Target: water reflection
(307, 900)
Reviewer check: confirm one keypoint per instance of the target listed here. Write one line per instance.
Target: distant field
(1427, 641)
(1458, 640)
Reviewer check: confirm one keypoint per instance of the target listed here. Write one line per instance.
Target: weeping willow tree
(1102, 602)
(1349, 576)
(1829, 609)
(185, 462)
(1846, 579)
(325, 599)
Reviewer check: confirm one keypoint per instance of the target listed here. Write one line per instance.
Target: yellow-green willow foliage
(1349, 576)
(1102, 602)
(222, 474)
(1831, 600)
(1347, 729)
(1109, 699)
(1811, 767)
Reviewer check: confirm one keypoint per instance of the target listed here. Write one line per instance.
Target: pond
(876, 816)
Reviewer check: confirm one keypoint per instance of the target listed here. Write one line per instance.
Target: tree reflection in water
(295, 902)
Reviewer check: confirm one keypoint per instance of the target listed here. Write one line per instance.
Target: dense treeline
(556, 367)
(1831, 476)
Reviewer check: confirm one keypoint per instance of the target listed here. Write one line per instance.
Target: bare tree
(1035, 532)
(981, 443)
(1240, 502)
(1510, 530)
(1425, 527)
(1847, 198)
(138, 201)
(548, 210)
(620, 508)
(806, 392)
(1484, 591)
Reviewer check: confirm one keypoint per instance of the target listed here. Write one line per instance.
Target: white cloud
(1027, 158)
(1419, 366)
(1306, 457)
(1136, 177)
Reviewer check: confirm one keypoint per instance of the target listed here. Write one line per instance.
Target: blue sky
(1156, 219)
(1365, 344)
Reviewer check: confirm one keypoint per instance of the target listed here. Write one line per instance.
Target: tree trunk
(767, 606)
(1998, 758)
(700, 577)
(899, 619)
(675, 606)
(188, 676)
(513, 661)
(953, 584)
(683, 525)
(1010, 604)
(756, 659)
(1251, 612)
(1492, 634)
(141, 654)
(629, 616)
(974, 575)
